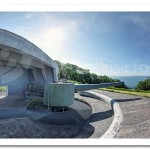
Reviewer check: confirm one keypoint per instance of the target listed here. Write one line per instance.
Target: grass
(36, 103)
(2, 88)
(74, 81)
(128, 91)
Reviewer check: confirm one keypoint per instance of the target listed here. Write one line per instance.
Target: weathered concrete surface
(95, 127)
(23, 62)
(13, 101)
(78, 112)
(27, 128)
(13, 113)
(24, 46)
(100, 120)
(136, 115)
(136, 123)
(118, 115)
(13, 107)
(83, 109)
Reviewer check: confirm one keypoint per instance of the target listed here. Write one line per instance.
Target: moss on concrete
(36, 103)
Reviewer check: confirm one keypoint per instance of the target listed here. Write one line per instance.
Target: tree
(75, 73)
(144, 85)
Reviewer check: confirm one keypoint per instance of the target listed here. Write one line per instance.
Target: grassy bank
(128, 91)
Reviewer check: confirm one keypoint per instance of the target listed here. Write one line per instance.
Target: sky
(107, 43)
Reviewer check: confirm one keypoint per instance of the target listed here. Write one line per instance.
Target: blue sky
(107, 43)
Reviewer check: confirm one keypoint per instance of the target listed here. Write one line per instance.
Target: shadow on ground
(27, 128)
(127, 100)
(101, 116)
(88, 129)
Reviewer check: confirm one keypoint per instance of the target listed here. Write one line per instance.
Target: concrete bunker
(22, 62)
(26, 69)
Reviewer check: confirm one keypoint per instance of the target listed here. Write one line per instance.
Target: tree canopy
(72, 72)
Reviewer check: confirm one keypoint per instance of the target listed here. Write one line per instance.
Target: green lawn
(128, 91)
(74, 81)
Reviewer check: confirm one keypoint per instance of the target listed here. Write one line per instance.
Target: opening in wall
(3, 91)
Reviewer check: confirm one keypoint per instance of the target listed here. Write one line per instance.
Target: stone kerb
(118, 115)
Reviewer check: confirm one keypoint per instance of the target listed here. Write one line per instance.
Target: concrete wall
(48, 74)
(21, 45)
(22, 62)
(17, 78)
(37, 74)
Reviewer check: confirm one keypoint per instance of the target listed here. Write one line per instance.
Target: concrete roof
(23, 46)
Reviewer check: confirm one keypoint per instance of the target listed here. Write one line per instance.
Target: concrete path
(136, 114)
(136, 120)
(100, 120)
(19, 126)
(13, 113)
(13, 101)
(13, 107)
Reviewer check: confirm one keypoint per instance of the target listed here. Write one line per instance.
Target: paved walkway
(13, 101)
(13, 107)
(100, 120)
(136, 123)
(95, 127)
(136, 113)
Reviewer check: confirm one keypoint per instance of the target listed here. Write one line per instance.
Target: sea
(130, 81)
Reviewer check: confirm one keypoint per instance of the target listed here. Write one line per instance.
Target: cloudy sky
(107, 43)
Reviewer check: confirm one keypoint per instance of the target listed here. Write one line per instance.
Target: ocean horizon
(130, 81)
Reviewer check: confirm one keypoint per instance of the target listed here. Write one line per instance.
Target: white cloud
(53, 38)
(53, 35)
(28, 16)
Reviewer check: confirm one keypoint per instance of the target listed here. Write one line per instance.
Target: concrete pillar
(55, 73)
(37, 74)
(48, 75)
(30, 74)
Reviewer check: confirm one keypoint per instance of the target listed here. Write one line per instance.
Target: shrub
(144, 85)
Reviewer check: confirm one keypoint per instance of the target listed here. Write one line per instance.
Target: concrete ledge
(118, 115)
(24, 46)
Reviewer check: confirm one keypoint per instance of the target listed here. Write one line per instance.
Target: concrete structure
(118, 114)
(22, 62)
(62, 94)
(76, 113)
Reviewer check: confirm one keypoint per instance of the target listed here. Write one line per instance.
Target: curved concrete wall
(25, 63)
(118, 114)
(21, 44)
